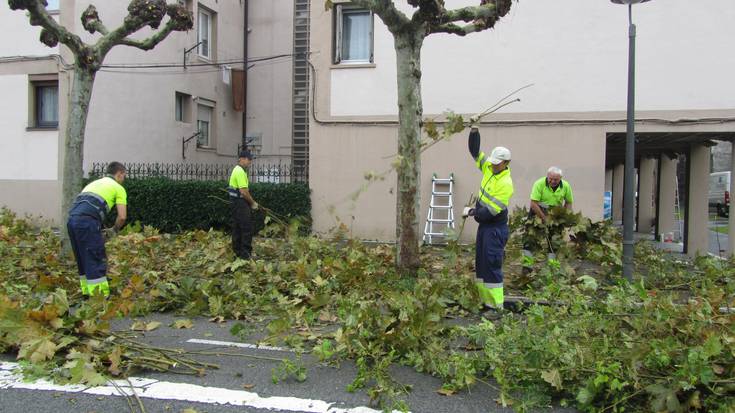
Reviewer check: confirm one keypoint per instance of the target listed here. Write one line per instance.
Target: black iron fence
(257, 172)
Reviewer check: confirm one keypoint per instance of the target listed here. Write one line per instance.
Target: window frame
(201, 10)
(35, 98)
(210, 144)
(182, 107)
(338, 36)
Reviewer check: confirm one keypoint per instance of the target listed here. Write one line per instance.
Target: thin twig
(488, 384)
(488, 110)
(622, 400)
(122, 393)
(212, 353)
(140, 402)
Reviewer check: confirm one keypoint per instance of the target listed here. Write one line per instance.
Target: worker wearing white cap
(491, 212)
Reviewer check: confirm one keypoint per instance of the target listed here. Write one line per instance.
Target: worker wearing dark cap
(242, 205)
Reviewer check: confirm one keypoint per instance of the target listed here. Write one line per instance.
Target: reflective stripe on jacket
(495, 189)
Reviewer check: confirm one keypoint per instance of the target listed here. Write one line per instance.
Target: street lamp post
(628, 191)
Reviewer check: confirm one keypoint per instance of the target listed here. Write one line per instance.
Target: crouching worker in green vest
(491, 212)
(547, 192)
(85, 227)
(242, 204)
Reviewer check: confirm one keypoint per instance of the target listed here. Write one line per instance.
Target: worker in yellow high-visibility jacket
(85, 227)
(491, 212)
(242, 206)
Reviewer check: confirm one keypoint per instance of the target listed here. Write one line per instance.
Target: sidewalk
(718, 243)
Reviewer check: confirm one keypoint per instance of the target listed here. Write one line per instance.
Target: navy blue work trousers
(489, 251)
(85, 235)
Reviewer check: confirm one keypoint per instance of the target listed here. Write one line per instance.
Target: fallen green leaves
(603, 345)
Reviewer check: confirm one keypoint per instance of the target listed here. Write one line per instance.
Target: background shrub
(174, 205)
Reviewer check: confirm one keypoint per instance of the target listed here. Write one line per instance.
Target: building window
(53, 5)
(353, 42)
(183, 107)
(204, 32)
(204, 125)
(45, 107)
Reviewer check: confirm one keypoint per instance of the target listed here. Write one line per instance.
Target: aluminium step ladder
(440, 219)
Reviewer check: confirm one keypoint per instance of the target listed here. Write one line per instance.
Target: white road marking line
(162, 390)
(240, 345)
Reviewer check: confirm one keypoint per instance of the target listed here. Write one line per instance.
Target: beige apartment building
(574, 53)
(146, 106)
(321, 94)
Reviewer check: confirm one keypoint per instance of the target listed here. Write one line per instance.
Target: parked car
(719, 192)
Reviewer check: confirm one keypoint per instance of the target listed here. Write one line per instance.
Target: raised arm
(473, 142)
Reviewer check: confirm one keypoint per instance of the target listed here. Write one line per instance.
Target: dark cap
(246, 154)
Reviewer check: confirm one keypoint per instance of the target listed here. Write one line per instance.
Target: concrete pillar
(696, 238)
(617, 190)
(666, 202)
(646, 180)
(731, 233)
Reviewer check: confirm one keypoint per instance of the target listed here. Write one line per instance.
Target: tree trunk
(408, 53)
(72, 170)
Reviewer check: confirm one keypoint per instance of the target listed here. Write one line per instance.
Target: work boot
(493, 314)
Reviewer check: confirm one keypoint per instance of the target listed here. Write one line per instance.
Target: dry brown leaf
(445, 392)
(143, 326)
(185, 323)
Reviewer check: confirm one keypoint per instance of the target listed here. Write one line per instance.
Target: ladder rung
(441, 192)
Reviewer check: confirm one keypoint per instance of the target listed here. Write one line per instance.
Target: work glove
(255, 206)
(109, 233)
(474, 133)
(468, 212)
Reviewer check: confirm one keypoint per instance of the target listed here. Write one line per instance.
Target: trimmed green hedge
(175, 206)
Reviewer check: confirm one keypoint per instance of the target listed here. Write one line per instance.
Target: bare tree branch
(428, 10)
(459, 30)
(52, 32)
(143, 13)
(152, 41)
(483, 17)
(91, 21)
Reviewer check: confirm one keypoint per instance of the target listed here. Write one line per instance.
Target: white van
(719, 192)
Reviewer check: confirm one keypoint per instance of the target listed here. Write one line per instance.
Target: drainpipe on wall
(245, 73)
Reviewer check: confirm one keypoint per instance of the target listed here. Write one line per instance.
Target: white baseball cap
(499, 154)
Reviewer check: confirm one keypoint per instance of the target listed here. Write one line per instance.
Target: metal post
(629, 188)
(731, 208)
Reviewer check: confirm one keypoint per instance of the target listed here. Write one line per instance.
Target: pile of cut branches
(660, 344)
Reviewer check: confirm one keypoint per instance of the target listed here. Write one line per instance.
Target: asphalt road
(323, 384)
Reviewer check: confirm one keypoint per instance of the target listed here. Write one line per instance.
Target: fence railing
(257, 172)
